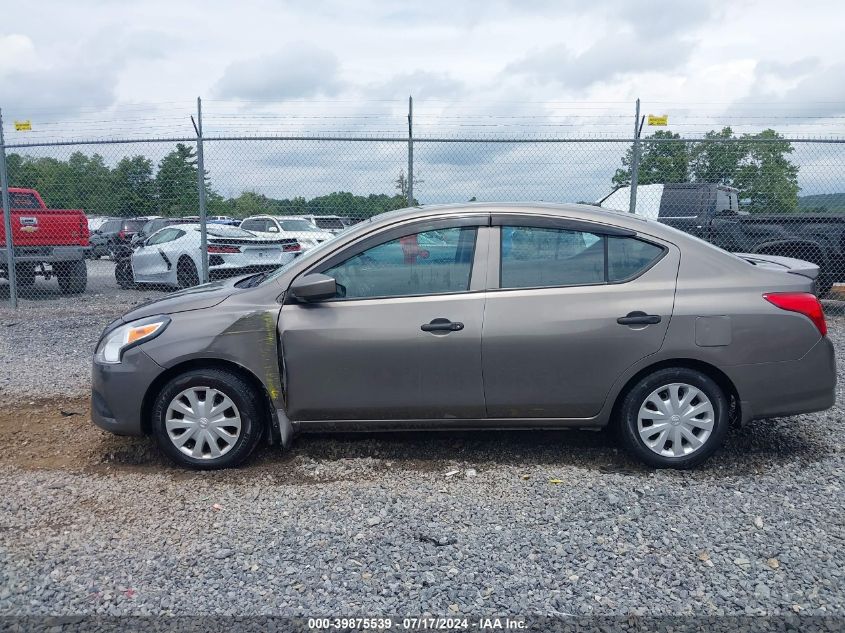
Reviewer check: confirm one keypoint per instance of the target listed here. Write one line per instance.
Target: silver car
(508, 316)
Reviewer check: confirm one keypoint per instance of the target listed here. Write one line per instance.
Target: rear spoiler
(784, 264)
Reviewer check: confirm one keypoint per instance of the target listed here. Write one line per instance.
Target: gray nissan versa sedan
(516, 316)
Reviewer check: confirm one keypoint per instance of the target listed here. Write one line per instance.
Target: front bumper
(772, 390)
(118, 390)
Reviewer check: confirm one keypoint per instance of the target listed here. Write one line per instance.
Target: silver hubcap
(203, 423)
(675, 420)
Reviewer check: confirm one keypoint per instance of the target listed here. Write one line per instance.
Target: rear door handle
(638, 318)
(442, 325)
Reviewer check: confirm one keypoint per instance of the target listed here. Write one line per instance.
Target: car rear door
(570, 307)
(402, 339)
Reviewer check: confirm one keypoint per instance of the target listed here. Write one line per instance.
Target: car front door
(402, 338)
(574, 305)
(149, 263)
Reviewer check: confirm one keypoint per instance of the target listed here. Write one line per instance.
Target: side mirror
(314, 287)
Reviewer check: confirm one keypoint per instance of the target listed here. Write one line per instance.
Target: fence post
(410, 151)
(635, 161)
(11, 273)
(201, 190)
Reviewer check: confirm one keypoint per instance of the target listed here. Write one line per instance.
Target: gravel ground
(486, 523)
(50, 339)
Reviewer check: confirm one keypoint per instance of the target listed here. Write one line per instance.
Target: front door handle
(638, 318)
(442, 325)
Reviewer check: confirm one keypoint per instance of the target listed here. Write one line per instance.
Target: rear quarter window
(628, 257)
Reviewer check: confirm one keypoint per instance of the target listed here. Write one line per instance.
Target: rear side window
(535, 257)
(254, 225)
(133, 225)
(684, 202)
(628, 257)
(23, 201)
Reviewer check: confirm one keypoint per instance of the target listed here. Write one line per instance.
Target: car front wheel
(674, 418)
(208, 419)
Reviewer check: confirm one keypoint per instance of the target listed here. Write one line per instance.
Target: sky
(106, 69)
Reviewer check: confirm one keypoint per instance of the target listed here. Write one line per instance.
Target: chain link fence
(119, 216)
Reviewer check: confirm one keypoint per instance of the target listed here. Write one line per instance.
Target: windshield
(297, 225)
(329, 223)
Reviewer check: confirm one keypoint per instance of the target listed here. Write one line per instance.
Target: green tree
(717, 159)
(251, 203)
(176, 182)
(766, 178)
(133, 186)
(666, 160)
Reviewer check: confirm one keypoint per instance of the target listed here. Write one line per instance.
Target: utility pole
(635, 160)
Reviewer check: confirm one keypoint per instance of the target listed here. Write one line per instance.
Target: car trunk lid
(783, 264)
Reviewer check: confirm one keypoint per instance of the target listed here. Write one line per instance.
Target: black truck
(712, 212)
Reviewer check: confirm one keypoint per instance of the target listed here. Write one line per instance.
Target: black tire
(239, 391)
(72, 276)
(635, 397)
(123, 274)
(186, 273)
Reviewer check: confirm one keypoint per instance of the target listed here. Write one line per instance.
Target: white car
(333, 224)
(296, 226)
(172, 255)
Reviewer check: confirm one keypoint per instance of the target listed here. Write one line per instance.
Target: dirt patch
(58, 434)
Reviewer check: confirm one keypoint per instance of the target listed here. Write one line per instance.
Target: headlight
(111, 347)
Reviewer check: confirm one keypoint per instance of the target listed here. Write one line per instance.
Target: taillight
(294, 247)
(216, 248)
(121, 234)
(801, 302)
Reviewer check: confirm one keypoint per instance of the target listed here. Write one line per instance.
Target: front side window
(432, 262)
(298, 225)
(535, 257)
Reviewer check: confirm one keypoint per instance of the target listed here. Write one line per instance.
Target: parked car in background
(712, 212)
(47, 242)
(524, 317)
(95, 222)
(152, 225)
(172, 256)
(305, 232)
(113, 233)
(333, 224)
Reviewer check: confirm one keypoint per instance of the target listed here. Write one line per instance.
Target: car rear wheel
(186, 273)
(208, 419)
(72, 276)
(674, 418)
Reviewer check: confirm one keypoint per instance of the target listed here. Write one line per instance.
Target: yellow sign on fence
(663, 119)
(23, 126)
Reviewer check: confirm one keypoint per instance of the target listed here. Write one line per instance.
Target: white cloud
(299, 70)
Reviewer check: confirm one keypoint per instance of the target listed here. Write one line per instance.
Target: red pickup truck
(47, 242)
